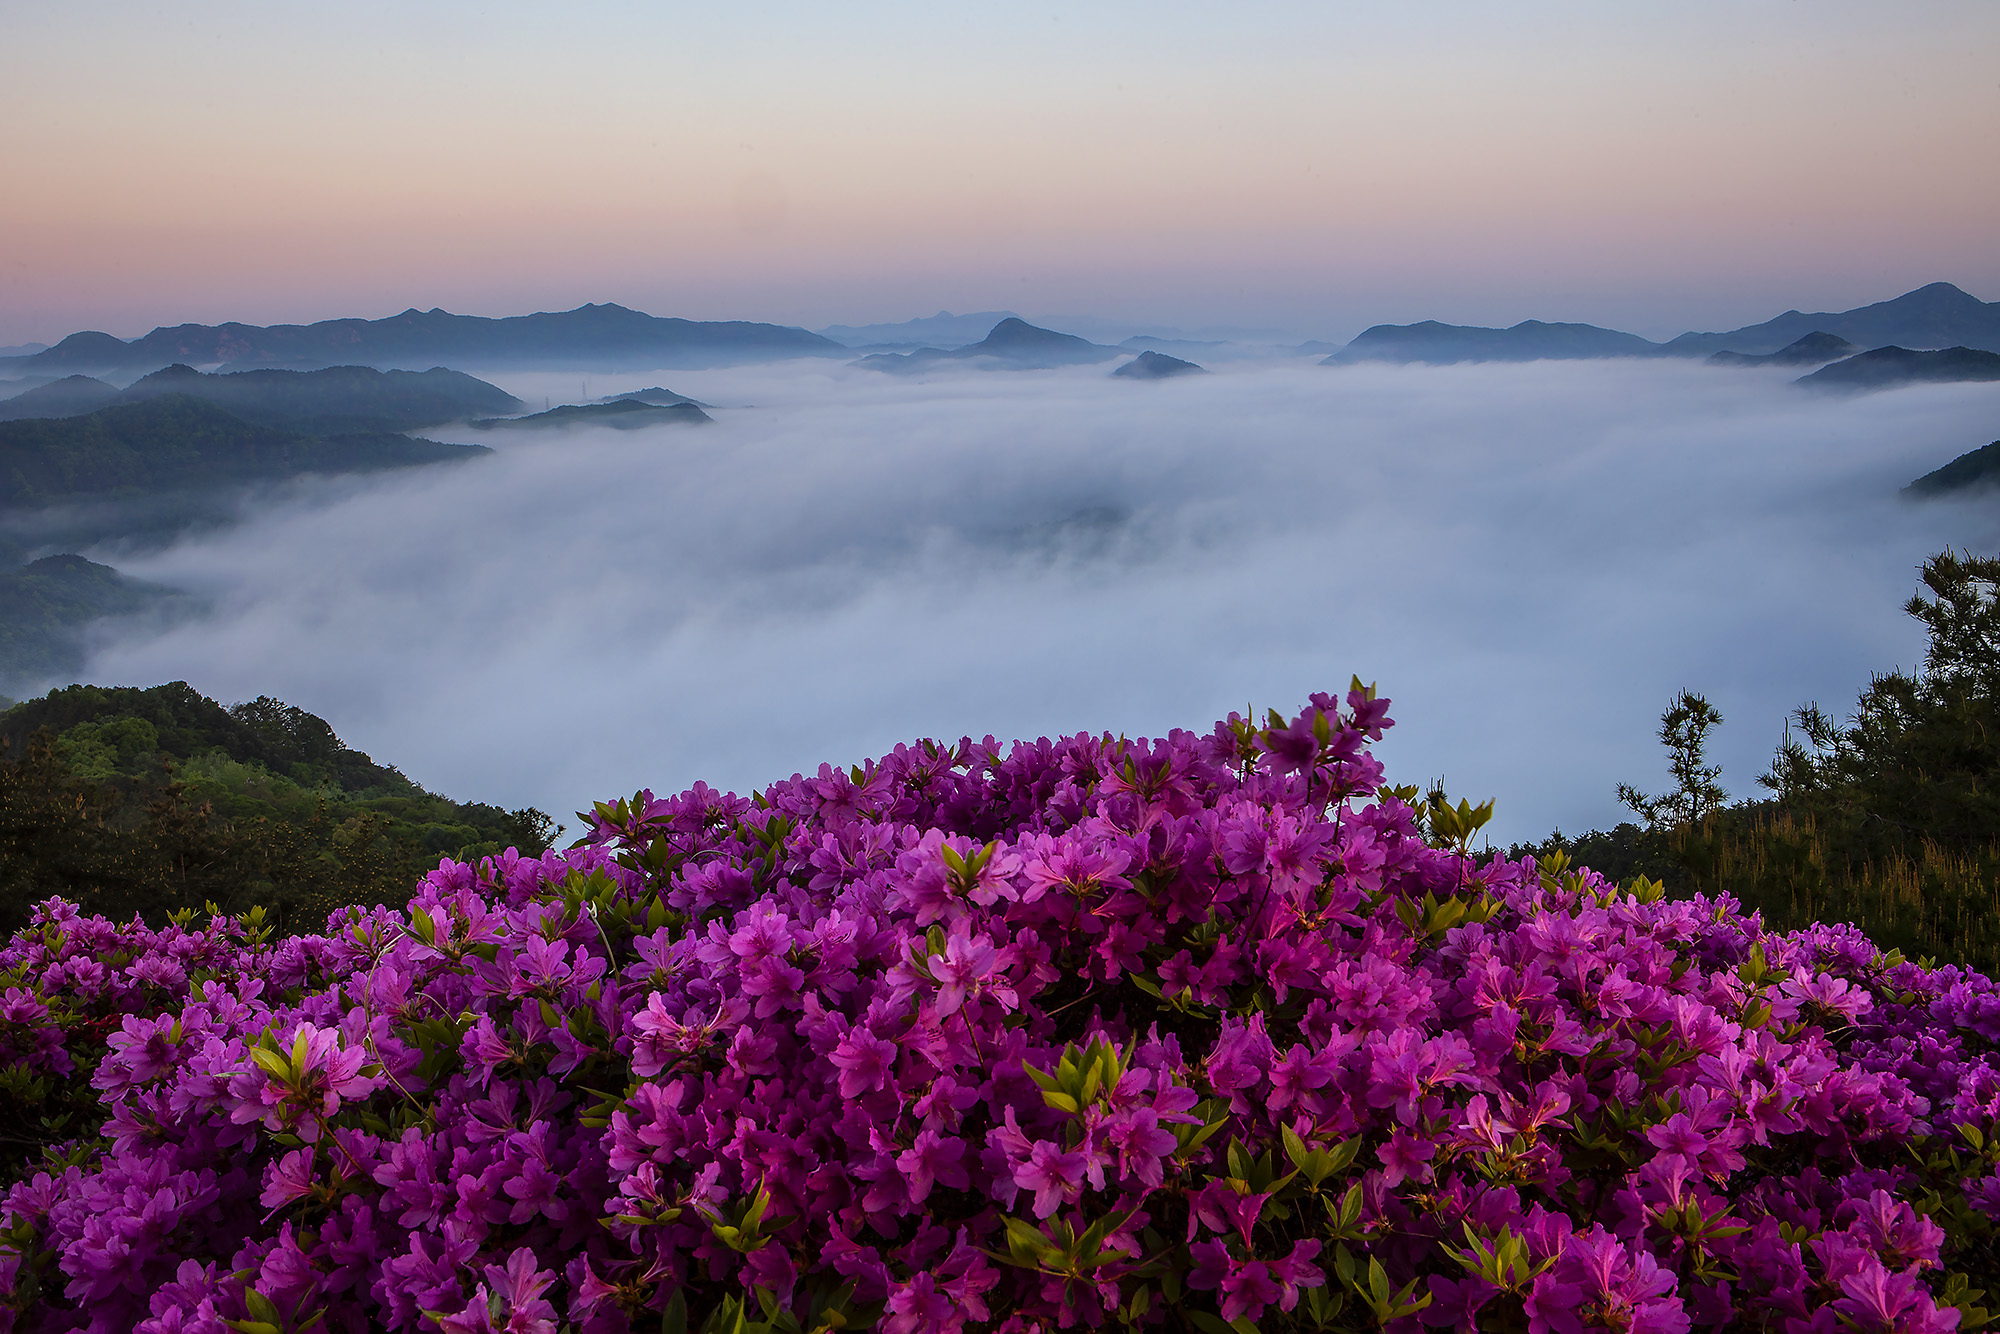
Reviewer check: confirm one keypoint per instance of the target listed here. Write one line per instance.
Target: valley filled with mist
(1530, 558)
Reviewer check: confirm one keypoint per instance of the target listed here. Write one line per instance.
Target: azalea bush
(1211, 1033)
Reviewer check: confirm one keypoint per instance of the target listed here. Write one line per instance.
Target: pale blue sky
(1315, 167)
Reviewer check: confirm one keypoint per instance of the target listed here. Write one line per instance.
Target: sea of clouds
(1530, 559)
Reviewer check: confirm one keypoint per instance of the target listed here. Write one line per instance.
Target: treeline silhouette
(1889, 819)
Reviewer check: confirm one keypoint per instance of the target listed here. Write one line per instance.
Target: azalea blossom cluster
(1213, 1032)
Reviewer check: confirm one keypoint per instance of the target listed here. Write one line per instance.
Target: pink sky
(1310, 167)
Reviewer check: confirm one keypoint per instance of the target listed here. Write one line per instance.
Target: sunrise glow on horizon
(1300, 167)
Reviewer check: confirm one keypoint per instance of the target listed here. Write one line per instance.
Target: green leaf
(271, 1063)
(261, 1307)
(1295, 1148)
(1350, 1207)
(1029, 1237)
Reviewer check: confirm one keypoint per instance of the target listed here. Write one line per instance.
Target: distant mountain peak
(1887, 367)
(1814, 349)
(180, 370)
(1531, 340)
(1012, 343)
(1935, 316)
(1016, 332)
(1150, 365)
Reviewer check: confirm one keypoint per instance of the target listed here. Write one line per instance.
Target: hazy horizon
(1302, 167)
(1096, 326)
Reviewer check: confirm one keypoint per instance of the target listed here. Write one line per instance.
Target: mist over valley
(1528, 557)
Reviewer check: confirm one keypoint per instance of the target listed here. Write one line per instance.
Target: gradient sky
(1308, 166)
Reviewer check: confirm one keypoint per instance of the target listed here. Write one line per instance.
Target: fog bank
(1529, 559)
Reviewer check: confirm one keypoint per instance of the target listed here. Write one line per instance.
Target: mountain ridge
(1012, 344)
(1937, 315)
(176, 441)
(1887, 367)
(1437, 344)
(592, 336)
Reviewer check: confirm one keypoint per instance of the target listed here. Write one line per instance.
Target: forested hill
(45, 605)
(324, 402)
(153, 800)
(174, 442)
(288, 741)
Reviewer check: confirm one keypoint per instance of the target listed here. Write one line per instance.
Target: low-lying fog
(1529, 559)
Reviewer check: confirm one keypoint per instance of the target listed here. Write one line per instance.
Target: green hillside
(177, 442)
(153, 800)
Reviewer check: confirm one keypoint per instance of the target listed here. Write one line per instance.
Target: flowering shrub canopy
(1206, 1033)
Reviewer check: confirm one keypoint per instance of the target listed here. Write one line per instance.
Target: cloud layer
(1529, 559)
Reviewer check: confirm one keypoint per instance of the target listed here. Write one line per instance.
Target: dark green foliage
(1890, 821)
(179, 442)
(1918, 760)
(1621, 854)
(45, 605)
(151, 801)
(1980, 467)
(1684, 730)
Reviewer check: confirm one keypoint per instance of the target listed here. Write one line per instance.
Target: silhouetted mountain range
(1013, 344)
(590, 337)
(1886, 367)
(334, 401)
(1531, 340)
(177, 442)
(1815, 349)
(1157, 366)
(1977, 468)
(664, 398)
(1937, 316)
(624, 414)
